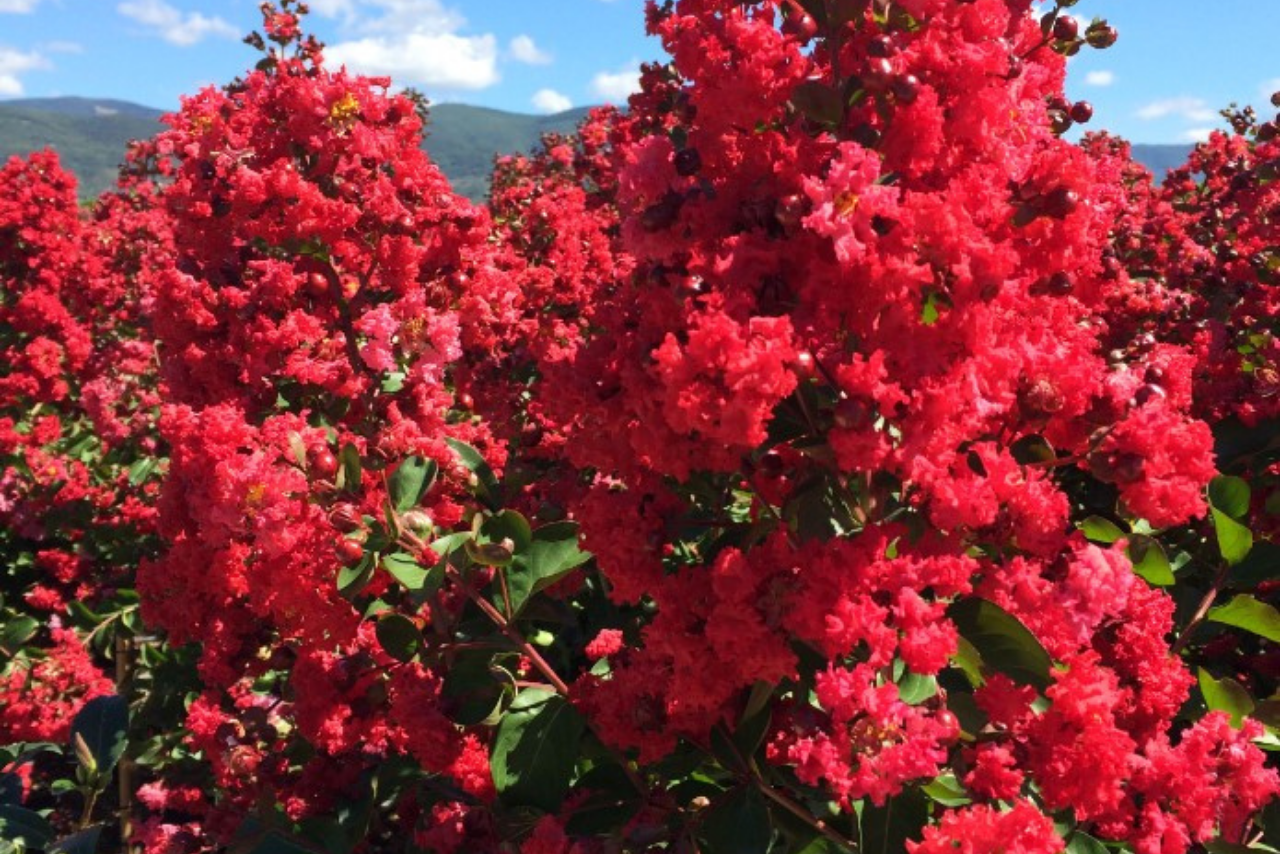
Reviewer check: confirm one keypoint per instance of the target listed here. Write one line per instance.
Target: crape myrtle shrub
(819, 456)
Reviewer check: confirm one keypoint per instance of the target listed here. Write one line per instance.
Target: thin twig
(1202, 610)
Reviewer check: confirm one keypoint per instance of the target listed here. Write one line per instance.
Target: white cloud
(14, 63)
(1191, 109)
(173, 25)
(415, 42)
(1197, 134)
(1099, 78)
(615, 86)
(524, 50)
(17, 7)
(443, 60)
(551, 101)
(1268, 88)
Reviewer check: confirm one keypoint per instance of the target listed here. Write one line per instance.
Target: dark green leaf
(84, 842)
(818, 102)
(399, 637)
(405, 569)
(16, 632)
(487, 488)
(737, 823)
(1234, 539)
(1004, 643)
(535, 749)
(1032, 449)
(1225, 695)
(352, 579)
(410, 481)
(1101, 530)
(10, 789)
(604, 800)
(488, 554)
(348, 468)
(886, 829)
(23, 825)
(1246, 612)
(1083, 843)
(1230, 495)
(1150, 561)
(751, 730)
(102, 724)
(552, 554)
(507, 525)
(473, 689)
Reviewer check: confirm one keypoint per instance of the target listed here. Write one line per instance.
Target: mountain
(90, 134)
(1161, 158)
(463, 140)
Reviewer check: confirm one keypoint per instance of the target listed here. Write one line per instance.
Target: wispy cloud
(616, 86)
(14, 63)
(18, 7)
(1197, 134)
(523, 49)
(1185, 107)
(551, 101)
(1100, 78)
(173, 25)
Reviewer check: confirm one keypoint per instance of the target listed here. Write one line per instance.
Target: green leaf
(1003, 642)
(410, 481)
(1230, 495)
(399, 636)
(914, 689)
(19, 825)
(84, 842)
(352, 579)
(886, 829)
(1032, 449)
(17, 632)
(102, 725)
(1234, 539)
(473, 688)
(1149, 560)
(947, 790)
(507, 525)
(406, 570)
(737, 823)
(10, 789)
(535, 749)
(604, 801)
(1083, 843)
(1225, 695)
(1246, 612)
(348, 468)
(552, 554)
(818, 101)
(487, 488)
(1101, 530)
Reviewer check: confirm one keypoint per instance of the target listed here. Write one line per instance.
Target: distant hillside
(1161, 158)
(463, 140)
(90, 135)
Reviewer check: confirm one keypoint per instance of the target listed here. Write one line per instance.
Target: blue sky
(1177, 61)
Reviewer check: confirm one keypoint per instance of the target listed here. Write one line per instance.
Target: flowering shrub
(818, 456)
